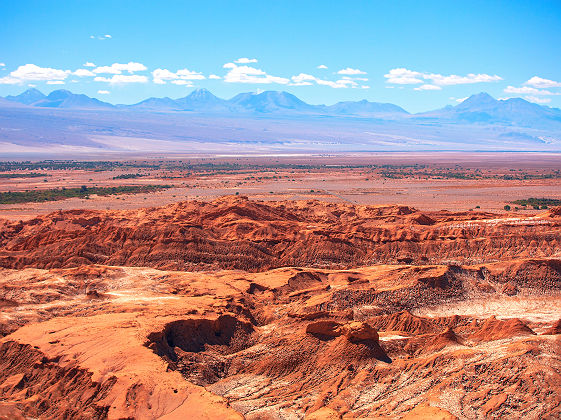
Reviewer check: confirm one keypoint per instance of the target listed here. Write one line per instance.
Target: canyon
(241, 308)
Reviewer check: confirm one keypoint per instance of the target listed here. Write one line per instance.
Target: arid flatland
(427, 181)
(285, 308)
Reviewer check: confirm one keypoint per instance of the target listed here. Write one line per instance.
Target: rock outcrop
(239, 309)
(236, 233)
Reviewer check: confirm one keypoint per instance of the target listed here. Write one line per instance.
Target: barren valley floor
(325, 289)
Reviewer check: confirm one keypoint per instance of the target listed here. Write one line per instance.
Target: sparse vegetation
(23, 175)
(128, 176)
(538, 203)
(38, 196)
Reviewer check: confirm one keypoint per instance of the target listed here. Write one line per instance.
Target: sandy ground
(330, 180)
(531, 309)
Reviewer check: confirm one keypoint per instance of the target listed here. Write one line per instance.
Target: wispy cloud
(181, 82)
(403, 76)
(122, 79)
(453, 79)
(2, 64)
(101, 37)
(88, 64)
(304, 79)
(537, 99)
(161, 76)
(527, 90)
(322, 66)
(103, 92)
(214, 76)
(245, 60)
(428, 87)
(55, 82)
(541, 83)
(349, 71)
(118, 68)
(83, 73)
(247, 74)
(7, 80)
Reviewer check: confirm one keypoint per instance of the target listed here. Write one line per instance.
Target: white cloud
(89, 64)
(29, 72)
(537, 100)
(245, 60)
(118, 68)
(304, 79)
(365, 87)
(2, 64)
(83, 73)
(539, 82)
(9, 80)
(214, 76)
(247, 74)
(360, 79)
(55, 82)
(338, 84)
(101, 37)
(190, 75)
(460, 100)
(526, 90)
(322, 66)
(428, 87)
(349, 71)
(103, 92)
(161, 76)
(32, 72)
(122, 78)
(453, 79)
(182, 82)
(403, 76)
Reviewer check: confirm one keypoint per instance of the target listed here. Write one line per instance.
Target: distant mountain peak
(482, 98)
(28, 97)
(59, 93)
(33, 91)
(63, 98)
(201, 93)
(365, 108)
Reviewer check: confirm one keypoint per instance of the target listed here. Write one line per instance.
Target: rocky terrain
(280, 310)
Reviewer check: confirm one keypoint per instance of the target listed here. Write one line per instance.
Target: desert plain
(395, 285)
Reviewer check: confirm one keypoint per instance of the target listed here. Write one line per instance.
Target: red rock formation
(234, 232)
(90, 328)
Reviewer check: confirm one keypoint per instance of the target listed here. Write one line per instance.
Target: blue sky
(418, 54)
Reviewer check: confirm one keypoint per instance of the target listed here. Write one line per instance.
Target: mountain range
(268, 102)
(201, 100)
(480, 108)
(268, 122)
